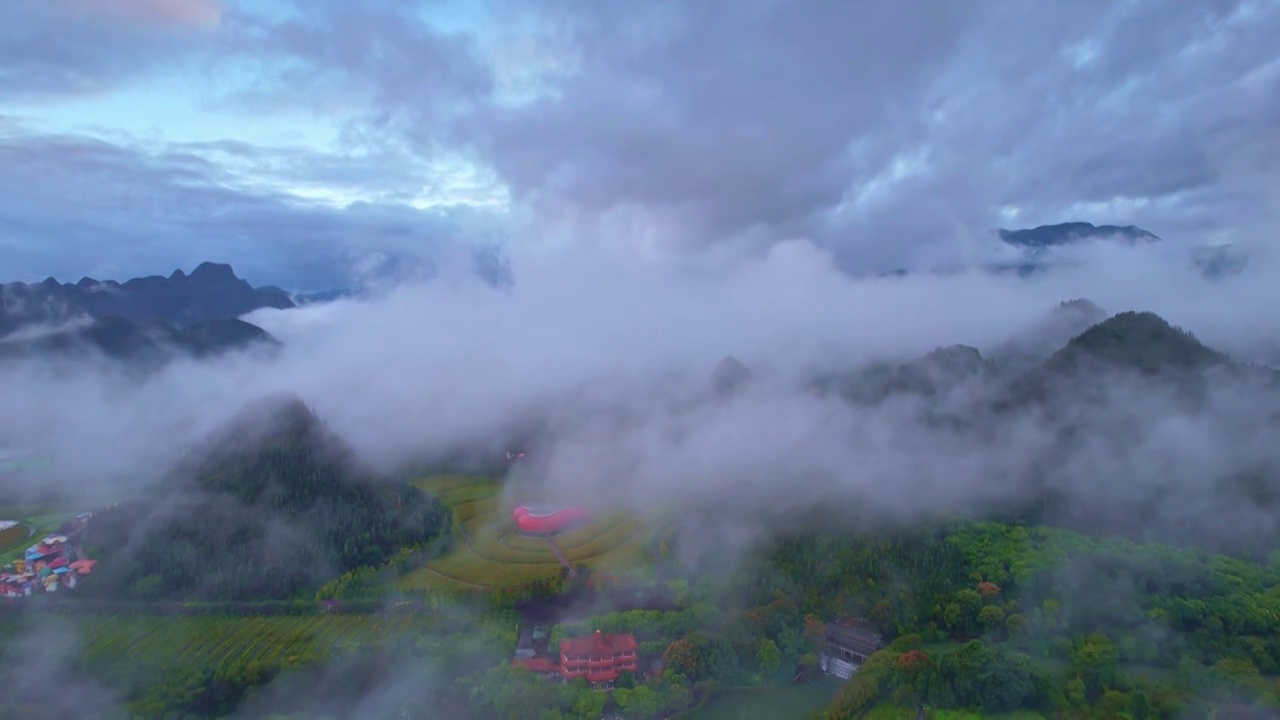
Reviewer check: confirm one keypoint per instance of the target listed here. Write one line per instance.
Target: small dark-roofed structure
(852, 640)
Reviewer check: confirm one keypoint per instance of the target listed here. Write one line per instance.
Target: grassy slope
(489, 553)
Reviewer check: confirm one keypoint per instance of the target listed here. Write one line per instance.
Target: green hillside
(271, 508)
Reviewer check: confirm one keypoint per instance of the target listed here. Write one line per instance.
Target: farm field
(488, 552)
(224, 641)
(14, 541)
(13, 534)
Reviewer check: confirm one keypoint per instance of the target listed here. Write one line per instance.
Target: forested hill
(273, 506)
(1138, 353)
(1098, 406)
(1140, 340)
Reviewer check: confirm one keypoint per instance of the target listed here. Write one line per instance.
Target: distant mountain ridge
(1035, 247)
(1077, 342)
(1066, 233)
(145, 345)
(211, 292)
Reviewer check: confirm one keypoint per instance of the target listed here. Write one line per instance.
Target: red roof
(598, 645)
(529, 521)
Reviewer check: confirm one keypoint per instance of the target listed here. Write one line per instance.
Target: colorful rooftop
(544, 520)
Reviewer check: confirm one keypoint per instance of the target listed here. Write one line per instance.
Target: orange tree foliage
(988, 589)
(683, 657)
(913, 660)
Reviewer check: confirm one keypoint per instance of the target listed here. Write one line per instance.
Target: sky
(297, 139)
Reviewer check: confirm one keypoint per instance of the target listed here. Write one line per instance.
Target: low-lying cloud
(615, 356)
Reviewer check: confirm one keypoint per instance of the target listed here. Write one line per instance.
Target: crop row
(224, 641)
(605, 542)
(493, 537)
(470, 568)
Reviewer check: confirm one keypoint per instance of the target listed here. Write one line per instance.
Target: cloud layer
(616, 352)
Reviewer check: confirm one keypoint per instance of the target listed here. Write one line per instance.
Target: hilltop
(272, 506)
(1140, 345)
(1142, 341)
(729, 377)
(211, 292)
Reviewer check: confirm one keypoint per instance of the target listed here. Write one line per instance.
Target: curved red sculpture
(541, 522)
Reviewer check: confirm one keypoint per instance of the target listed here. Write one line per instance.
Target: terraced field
(221, 641)
(489, 553)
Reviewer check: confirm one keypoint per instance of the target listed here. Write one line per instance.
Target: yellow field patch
(498, 556)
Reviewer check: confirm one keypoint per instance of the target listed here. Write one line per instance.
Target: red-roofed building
(597, 657)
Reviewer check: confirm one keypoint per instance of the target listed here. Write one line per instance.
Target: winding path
(453, 579)
(466, 537)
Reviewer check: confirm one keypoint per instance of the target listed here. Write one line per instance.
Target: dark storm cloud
(1088, 106)
(721, 120)
(52, 48)
(728, 115)
(66, 200)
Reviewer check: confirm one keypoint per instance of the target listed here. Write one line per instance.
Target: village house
(598, 658)
(847, 645)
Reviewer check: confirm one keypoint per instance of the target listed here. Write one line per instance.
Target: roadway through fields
(560, 556)
(450, 578)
